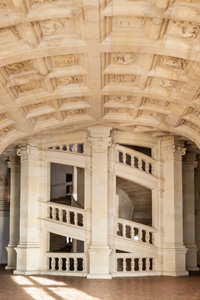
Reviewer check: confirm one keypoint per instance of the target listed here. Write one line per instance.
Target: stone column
(14, 165)
(197, 210)
(189, 165)
(173, 250)
(28, 247)
(99, 250)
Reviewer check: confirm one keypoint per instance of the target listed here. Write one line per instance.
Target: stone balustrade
(66, 262)
(135, 231)
(135, 159)
(65, 214)
(128, 263)
(69, 148)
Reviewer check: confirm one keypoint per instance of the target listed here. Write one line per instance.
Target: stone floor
(17, 287)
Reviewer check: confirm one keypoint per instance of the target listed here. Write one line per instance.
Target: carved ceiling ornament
(127, 22)
(124, 58)
(122, 78)
(122, 98)
(9, 35)
(62, 61)
(28, 87)
(69, 80)
(100, 145)
(56, 26)
(19, 67)
(75, 112)
(173, 153)
(5, 131)
(188, 30)
(192, 126)
(173, 62)
(167, 83)
(118, 110)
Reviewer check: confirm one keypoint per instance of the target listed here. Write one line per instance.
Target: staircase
(134, 244)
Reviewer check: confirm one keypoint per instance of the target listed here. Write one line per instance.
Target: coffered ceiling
(130, 64)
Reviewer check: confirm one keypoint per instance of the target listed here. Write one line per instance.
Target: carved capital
(173, 153)
(99, 144)
(14, 166)
(28, 153)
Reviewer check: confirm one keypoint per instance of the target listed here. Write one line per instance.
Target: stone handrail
(66, 262)
(128, 263)
(65, 214)
(135, 159)
(135, 231)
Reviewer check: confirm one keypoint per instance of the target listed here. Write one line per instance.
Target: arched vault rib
(130, 64)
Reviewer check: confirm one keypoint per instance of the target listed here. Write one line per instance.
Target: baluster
(124, 264)
(153, 264)
(75, 219)
(58, 217)
(67, 264)
(140, 264)
(124, 157)
(76, 148)
(83, 264)
(48, 263)
(68, 217)
(132, 161)
(60, 264)
(132, 264)
(53, 264)
(153, 238)
(132, 232)
(53, 213)
(82, 216)
(123, 230)
(147, 264)
(148, 167)
(75, 264)
(140, 234)
(147, 237)
(139, 163)
(153, 169)
(48, 212)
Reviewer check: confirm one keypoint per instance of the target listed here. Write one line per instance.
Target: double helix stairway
(134, 250)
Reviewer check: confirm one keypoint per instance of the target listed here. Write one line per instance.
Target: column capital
(190, 161)
(14, 164)
(99, 144)
(173, 152)
(28, 152)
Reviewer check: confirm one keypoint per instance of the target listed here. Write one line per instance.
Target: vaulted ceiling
(130, 64)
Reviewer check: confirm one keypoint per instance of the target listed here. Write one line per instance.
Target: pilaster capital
(28, 152)
(100, 144)
(173, 152)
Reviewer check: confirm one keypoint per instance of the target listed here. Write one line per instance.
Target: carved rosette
(100, 145)
(173, 153)
(28, 153)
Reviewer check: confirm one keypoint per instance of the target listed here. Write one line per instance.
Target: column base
(191, 257)
(99, 262)
(27, 259)
(193, 269)
(175, 274)
(174, 260)
(11, 257)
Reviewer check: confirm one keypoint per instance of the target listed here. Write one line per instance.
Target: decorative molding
(122, 78)
(100, 145)
(173, 153)
(124, 58)
(188, 30)
(28, 153)
(173, 62)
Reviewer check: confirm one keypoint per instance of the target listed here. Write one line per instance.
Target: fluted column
(189, 166)
(14, 165)
(99, 250)
(28, 247)
(173, 250)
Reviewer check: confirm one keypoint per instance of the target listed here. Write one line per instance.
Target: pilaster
(189, 165)
(28, 247)
(99, 250)
(14, 165)
(173, 249)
